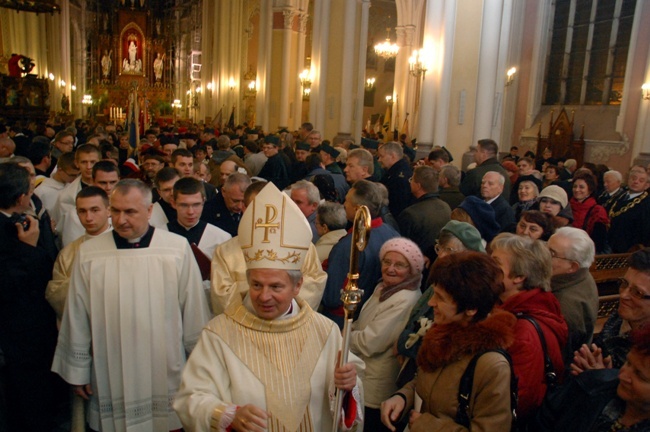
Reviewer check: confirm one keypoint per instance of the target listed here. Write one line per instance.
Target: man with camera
(27, 322)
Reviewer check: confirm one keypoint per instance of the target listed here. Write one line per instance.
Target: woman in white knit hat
(381, 320)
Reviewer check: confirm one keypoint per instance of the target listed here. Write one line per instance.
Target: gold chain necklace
(635, 201)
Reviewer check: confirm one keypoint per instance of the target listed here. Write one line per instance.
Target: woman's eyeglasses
(634, 291)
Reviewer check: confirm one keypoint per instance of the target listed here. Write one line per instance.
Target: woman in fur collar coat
(466, 288)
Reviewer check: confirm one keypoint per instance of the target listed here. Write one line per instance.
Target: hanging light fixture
(386, 49)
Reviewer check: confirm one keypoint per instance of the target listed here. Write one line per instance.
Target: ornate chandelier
(386, 49)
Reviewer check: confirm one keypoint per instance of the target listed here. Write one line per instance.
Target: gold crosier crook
(351, 294)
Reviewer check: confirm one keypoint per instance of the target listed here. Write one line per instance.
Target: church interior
(444, 72)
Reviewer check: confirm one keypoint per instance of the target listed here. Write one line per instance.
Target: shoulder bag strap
(465, 389)
(549, 369)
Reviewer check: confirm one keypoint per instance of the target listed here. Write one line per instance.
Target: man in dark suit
(226, 210)
(423, 220)
(492, 192)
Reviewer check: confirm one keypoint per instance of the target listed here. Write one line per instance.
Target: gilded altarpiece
(132, 52)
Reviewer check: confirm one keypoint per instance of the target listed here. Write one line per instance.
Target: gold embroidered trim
(271, 255)
(635, 201)
(282, 355)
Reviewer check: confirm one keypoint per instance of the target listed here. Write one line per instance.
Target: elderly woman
(536, 225)
(381, 319)
(466, 287)
(454, 237)
(330, 225)
(587, 213)
(526, 266)
(527, 191)
(605, 399)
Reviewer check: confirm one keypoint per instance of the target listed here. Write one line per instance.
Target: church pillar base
(340, 137)
(642, 159)
(423, 150)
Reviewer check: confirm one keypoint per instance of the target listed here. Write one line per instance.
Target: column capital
(304, 18)
(288, 14)
(405, 35)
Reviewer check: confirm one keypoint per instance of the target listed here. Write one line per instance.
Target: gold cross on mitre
(273, 232)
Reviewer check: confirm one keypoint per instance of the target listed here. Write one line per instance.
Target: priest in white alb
(270, 362)
(135, 309)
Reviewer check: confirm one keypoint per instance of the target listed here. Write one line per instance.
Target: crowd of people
(192, 281)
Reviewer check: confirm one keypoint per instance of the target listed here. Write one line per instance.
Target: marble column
(487, 70)
(361, 70)
(287, 31)
(300, 66)
(66, 53)
(444, 88)
(641, 144)
(425, 114)
(262, 101)
(347, 79)
(320, 47)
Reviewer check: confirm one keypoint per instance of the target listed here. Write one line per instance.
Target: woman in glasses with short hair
(612, 345)
(381, 319)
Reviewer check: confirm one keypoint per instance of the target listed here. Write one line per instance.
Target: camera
(21, 219)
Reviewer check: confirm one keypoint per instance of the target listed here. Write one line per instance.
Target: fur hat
(407, 249)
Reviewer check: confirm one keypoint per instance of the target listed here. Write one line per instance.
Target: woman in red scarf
(587, 213)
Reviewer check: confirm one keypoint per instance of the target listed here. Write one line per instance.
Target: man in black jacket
(27, 322)
(396, 177)
(486, 160)
(226, 209)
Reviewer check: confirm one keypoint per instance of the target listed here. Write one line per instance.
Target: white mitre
(273, 232)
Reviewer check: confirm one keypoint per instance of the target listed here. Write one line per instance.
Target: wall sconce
(51, 76)
(73, 87)
(231, 84)
(62, 83)
(305, 82)
(177, 104)
(370, 83)
(199, 89)
(251, 79)
(510, 75)
(87, 100)
(251, 89)
(389, 100)
(645, 88)
(416, 67)
(209, 86)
